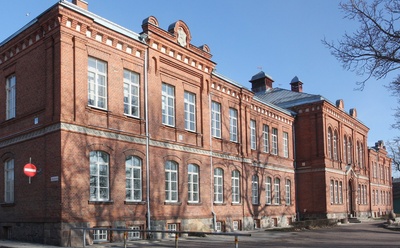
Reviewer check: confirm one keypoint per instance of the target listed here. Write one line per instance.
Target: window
(340, 193)
(253, 140)
(131, 93)
(99, 173)
(133, 171)
(9, 181)
(235, 225)
(168, 108)
(216, 119)
(277, 191)
(335, 153)
(171, 181)
(190, 111)
(235, 186)
(329, 143)
(218, 226)
(100, 235)
(135, 234)
(233, 124)
(360, 154)
(332, 191)
(11, 97)
(288, 195)
(193, 183)
(345, 149)
(173, 228)
(274, 141)
(349, 146)
(268, 190)
(336, 193)
(254, 189)
(97, 83)
(266, 138)
(218, 185)
(285, 144)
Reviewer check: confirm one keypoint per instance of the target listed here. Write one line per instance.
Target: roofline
(97, 19)
(228, 79)
(286, 111)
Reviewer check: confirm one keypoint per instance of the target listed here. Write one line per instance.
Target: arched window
(99, 176)
(171, 181)
(345, 149)
(349, 153)
(360, 153)
(329, 143)
(277, 191)
(9, 181)
(133, 171)
(235, 186)
(268, 190)
(218, 185)
(288, 196)
(335, 150)
(254, 189)
(193, 183)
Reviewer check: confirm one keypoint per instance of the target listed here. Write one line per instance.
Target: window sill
(100, 202)
(134, 202)
(194, 203)
(7, 204)
(219, 204)
(236, 204)
(173, 203)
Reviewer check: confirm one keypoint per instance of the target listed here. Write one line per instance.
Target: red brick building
(139, 131)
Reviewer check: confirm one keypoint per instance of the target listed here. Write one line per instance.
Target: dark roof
(259, 75)
(287, 98)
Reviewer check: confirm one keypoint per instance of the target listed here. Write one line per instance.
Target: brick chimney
(297, 85)
(261, 82)
(81, 3)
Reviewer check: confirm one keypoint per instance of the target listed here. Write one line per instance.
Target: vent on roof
(261, 82)
(297, 85)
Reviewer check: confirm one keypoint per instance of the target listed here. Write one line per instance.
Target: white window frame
(100, 235)
(218, 185)
(288, 187)
(133, 173)
(235, 225)
(134, 234)
(345, 149)
(168, 104)
(171, 181)
(349, 153)
(332, 191)
(336, 192)
(285, 144)
(131, 93)
(11, 92)
(266, 138)
(9, 175)
(233, 125)
(335, 153)
(268, 190)
(274, 141)
(216, 119)
(193, 183)
(218, 226)
(97, 83)
(329, 143)
(340, 192)
(235, 186)
(190, 111)
(253, 135)
(99, 176)
(277, 191)
(254, 190)
(172, 227)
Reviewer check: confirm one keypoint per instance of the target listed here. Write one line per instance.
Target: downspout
(296, 194)
(146, 103)
(214, 215)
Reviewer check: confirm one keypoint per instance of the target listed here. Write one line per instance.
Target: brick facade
(59, 128)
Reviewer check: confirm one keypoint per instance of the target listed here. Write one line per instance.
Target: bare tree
(374, 49)
(394, 152)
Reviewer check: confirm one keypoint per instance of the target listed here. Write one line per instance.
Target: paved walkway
(368, 234)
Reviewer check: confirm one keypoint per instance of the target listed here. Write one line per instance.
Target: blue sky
(281, 37)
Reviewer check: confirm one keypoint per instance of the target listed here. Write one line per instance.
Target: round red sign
(30, 170)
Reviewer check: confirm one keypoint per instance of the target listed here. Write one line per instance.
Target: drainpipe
(214, 215)
(146, 103)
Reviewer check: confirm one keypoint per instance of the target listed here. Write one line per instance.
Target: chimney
(261, 82)
(81, 3)
(297, 85)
